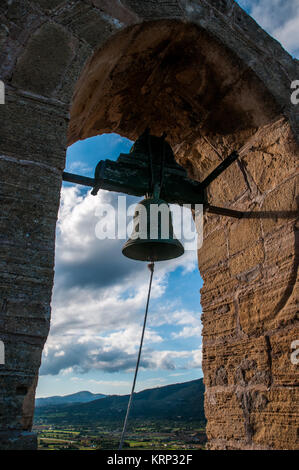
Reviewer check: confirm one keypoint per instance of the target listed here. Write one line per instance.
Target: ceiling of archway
(173, 77)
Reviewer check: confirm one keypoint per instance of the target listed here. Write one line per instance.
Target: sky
(99, 295)
(99, 299)
(280, 18)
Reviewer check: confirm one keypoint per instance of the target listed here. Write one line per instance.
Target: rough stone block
(282, 200)
(261, 306)
(14, 440)
(225, 416)
(227, 188)
(87, 23)
(242, 234)
(39, 131)
(148, 9)
(31, 210)
(16, 400)
(48, 5)
(242, 362)
(23, 353)
(219, 322)
(278, 420)
(274, 158)
(117, 10)
(213, 251)
(66, 89)
(42, 65)
(284, 372)
(247, 259)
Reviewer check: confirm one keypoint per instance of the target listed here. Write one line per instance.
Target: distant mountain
(80, 397)
(178, 401)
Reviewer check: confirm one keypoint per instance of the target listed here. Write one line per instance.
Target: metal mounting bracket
(130, 175)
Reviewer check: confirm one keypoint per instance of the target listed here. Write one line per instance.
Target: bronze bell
(152, 238)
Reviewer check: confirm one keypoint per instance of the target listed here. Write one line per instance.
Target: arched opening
(237, 81)
(97, 311)
(175, 77)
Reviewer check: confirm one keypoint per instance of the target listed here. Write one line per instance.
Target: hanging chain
(151, 267)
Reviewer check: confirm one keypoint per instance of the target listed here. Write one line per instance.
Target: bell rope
(151, 267)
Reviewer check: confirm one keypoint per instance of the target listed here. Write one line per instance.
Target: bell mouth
(146, 250)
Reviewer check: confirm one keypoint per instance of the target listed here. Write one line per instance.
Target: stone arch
(169, 74)
(249, 266)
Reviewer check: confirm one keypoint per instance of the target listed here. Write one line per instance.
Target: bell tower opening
(105, 292)
(176, 77)
(210, 77)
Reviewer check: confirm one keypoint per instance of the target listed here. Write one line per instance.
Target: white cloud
(280, 18)
(120, 384)
(166, 359)
(188, 332)
(196, 359)
(169, 315)
(288, 34)
(80, 167)
(91, 353)
(111, 383)
(99, 298)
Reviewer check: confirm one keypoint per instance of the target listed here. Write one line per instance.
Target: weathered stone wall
(209, 86)
(250, 300)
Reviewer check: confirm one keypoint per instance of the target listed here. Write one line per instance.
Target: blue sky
(280, 18)
(99, 295)
(99, 298)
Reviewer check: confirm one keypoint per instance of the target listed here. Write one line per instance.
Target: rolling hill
(178, 401)
(79, 397)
